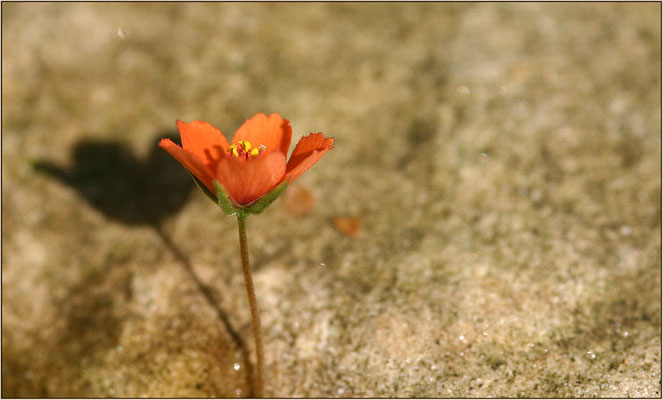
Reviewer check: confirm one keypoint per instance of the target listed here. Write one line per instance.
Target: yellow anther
(232, 149)
(244, 149)
(246, 146)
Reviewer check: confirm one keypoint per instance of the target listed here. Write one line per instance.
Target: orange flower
(254, 164)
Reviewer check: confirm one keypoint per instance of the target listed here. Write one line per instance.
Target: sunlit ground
(503, 161)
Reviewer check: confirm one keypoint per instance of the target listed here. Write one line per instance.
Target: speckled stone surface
(504, 160)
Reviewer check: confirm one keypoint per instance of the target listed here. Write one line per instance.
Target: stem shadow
(208, 295)
(135, 192)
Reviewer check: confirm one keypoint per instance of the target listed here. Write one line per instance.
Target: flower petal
(273, 132)
(307, 152)
(190, 161)
(203, 140)
(248, 180)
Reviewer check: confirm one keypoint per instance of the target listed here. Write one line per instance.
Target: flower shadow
(135, 193)
(113, 181)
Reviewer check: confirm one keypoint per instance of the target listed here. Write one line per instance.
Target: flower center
(243, 149)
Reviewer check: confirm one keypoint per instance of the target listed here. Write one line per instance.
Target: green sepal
(203, 187)
(262, 203)
(223, 200)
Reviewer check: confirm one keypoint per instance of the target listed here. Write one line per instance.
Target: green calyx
(223, 200)
(262, 203)
(226, 205)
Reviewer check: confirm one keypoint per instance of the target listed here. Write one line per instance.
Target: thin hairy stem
(251, 294)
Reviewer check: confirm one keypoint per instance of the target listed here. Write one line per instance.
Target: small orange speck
(348, 225)
(298, 200)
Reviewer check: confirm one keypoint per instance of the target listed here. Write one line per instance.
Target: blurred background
(487, 224)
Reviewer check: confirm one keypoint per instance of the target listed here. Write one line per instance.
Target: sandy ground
(504, 160)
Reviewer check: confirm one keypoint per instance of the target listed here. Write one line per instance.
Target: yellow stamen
(243, 148)
(246, 146)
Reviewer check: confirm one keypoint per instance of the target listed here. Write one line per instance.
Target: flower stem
(251, 294)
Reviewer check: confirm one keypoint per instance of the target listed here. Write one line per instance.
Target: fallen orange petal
(348, 225)
(298, 200)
